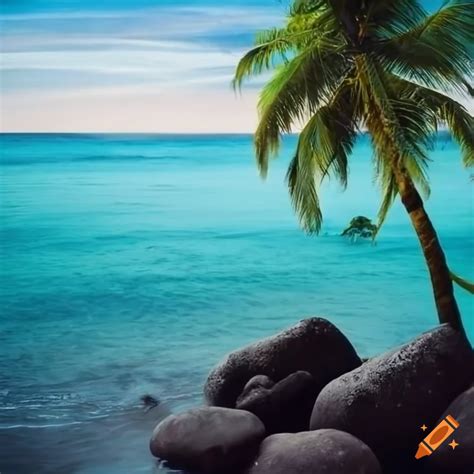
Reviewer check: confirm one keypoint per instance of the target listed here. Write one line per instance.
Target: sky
(128, 65)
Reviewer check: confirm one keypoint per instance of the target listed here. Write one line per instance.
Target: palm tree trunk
(448, 311)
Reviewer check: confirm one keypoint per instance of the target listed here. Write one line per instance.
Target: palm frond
(446, 112)
(458, 120)
(295, 91)
(303, 192)
(435, 53)
(323, 149)
(389, 193)
(391, 116)
(298, 7)
(273, 46)
(392, 17)
(400, 130)
(461, 125)
(418, 130)
(414, 159)
(321, 24)
(466, 285)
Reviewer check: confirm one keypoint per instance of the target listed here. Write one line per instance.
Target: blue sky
(128, 65)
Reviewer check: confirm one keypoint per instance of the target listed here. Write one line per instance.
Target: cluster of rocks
(303, 402)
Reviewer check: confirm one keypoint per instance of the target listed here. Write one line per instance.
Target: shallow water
(132, 264)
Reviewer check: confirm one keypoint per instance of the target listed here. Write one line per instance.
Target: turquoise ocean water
(132, 264)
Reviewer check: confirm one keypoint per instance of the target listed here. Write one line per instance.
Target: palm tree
(385, 67)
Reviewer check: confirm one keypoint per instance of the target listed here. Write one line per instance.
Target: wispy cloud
(164, 62)
(91, 63)
(157, 23)
(78, 15)
(173, 45)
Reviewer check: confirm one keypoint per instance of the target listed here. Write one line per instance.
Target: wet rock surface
(318, 452)
(255, 384)
(208, 439)
(386, 400)
(285, 407)
(314, 345)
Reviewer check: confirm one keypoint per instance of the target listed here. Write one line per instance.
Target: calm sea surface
(132, 264)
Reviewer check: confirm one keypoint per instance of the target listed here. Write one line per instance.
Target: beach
(131, 264)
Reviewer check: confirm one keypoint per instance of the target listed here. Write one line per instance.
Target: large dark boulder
(208, 439)
(285, 407)
(314, 345)
(315, 452)
(461, 459)
(386, 400)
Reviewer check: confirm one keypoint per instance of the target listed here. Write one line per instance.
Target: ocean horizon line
(129, 133)
(169, 134)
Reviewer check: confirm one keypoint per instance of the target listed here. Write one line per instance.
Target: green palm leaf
(296, 90)
(434, 53)
(392, 17)
(323, 150)
(451, 114)
(273, 47)
(466, 285)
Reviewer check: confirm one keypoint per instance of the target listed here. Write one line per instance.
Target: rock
(285, 407)
(386, 400)
(208, 439)
(256, 383)
(314, 345)
(461, 460)
(315, 452)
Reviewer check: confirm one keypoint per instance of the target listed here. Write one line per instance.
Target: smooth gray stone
(208, 439)
(315, 452)
(285, 407)
(314, 345)
(259, 382)
(386, 400)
